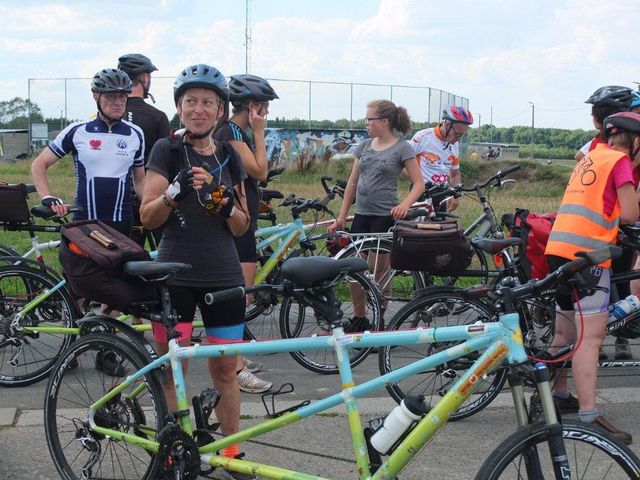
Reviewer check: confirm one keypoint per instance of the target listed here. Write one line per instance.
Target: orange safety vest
(581, 224)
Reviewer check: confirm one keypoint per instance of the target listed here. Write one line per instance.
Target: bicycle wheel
(396, 287)
(592, 454)
(298, 320)
(75, 384)
(442, 307)
(27, 357)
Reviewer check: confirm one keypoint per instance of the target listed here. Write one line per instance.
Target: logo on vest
(95, 144)
(122, 143)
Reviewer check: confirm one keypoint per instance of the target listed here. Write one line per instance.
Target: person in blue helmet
(184, 176)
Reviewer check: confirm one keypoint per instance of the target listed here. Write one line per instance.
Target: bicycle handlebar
(272, 173)
(565, 273)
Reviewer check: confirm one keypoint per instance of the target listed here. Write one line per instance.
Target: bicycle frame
(502, 340)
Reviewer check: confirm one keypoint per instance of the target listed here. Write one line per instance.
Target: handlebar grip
(415, 213)
(509, 170)
(224, 295)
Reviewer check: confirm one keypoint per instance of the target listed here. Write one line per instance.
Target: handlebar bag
(436, 248)
(93, 267)
(13, 204)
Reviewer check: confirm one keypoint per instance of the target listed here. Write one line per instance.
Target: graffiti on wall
(287, 145)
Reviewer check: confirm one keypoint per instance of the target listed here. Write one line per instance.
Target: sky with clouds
(500, 54)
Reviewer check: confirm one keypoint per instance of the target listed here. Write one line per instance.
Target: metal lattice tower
(247, 36)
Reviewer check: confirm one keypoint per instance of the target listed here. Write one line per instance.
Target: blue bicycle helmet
(635, 101)
(203, 76)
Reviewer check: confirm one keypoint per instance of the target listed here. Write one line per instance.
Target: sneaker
(623, 436)
(222, 474)
(357, 324)
(107, 361)
(623, 350)
(602, 355)
(567, 405)
(252, 365)
(249, 383)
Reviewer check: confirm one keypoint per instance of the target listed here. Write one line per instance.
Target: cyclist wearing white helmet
(437, 149)
(194, 189)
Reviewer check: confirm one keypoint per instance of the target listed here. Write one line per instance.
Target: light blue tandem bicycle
(100, 427)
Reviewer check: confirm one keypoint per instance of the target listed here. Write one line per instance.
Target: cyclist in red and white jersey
(437, 149)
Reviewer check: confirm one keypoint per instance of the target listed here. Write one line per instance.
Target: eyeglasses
(368, 119)
(459, 134)
(113, 97)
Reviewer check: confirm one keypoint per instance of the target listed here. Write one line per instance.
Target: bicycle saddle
(494, 245)
(268, 195)
(305, 271)
(151, 270)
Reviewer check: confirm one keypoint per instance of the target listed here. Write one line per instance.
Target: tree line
(545, 142)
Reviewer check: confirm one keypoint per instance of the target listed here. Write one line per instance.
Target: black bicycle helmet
(135, 64)
(111, 80)
(622, 122)
(250, 87)
(201, 75)
(611, 96)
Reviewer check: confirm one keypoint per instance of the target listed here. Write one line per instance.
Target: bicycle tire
(394, 287)
(297, 320)
(607, 457)
(71, 391)
(439, 307)
(33, 354)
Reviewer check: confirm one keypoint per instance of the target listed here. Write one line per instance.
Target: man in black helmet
(153, 122)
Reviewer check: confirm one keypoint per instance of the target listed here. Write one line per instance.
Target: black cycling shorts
(246, 247)
(371, 223)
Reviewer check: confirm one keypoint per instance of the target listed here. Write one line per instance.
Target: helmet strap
(201, 136)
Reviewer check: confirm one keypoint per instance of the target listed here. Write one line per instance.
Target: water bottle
(623, 307)
(411, 408)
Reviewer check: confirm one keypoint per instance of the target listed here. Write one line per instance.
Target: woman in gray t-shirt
(374, 175)
(376, 170)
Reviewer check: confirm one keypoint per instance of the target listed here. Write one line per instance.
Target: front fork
(541, 376)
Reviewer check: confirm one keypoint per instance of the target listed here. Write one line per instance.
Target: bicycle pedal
(203, 406)
(284, 389)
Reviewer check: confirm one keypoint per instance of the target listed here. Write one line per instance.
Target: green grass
(539, 188)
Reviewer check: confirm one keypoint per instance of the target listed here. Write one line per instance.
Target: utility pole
(491, 122)
(247, 37)
(533, 127)
(480, 127)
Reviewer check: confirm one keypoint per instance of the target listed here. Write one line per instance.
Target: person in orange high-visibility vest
(600, 196)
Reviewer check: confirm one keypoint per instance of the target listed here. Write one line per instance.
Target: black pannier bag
(13, 204)
(92, 255)
(436, 248)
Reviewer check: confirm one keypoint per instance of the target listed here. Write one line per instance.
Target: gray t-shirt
(379, 173)
(204, 242)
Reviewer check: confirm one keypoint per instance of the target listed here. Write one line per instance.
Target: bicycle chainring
(178, 454)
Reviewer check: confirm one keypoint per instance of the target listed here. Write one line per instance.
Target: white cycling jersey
(436, 157)
(104, 158)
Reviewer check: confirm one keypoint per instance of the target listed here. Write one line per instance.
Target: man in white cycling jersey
(437, 149)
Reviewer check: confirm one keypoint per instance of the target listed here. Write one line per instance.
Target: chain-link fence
(307, 101)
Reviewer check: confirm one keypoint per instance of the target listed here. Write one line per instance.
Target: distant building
(507, 151)
(14, 143)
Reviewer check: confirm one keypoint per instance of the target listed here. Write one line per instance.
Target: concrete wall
(13, 144)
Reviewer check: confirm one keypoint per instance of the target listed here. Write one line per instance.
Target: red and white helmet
(457, 115)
